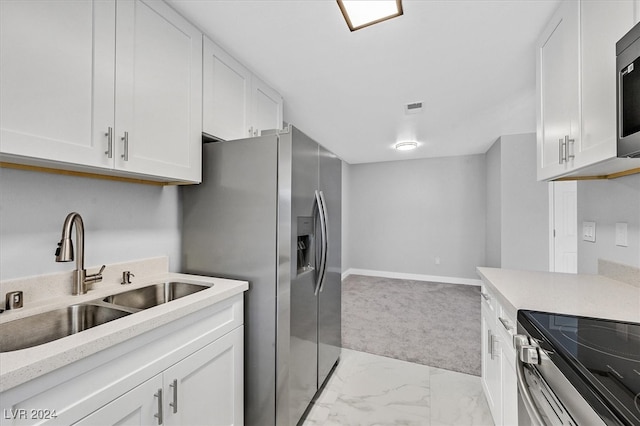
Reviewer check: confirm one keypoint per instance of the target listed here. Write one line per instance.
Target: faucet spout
(64, 253)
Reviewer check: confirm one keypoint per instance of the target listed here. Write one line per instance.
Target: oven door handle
(529, 354)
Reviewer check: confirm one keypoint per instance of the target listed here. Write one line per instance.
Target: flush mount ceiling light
(362, 13)
(406, 146)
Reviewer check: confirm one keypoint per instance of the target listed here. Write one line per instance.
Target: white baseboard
(416, 277)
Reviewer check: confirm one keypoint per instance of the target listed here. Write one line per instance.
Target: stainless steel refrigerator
(269, 211)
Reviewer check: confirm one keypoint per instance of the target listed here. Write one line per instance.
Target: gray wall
(493, 241)
(525, 206)
(123, 221)
(517, 206)
(346, 205)
(404, 214)
(607, 202)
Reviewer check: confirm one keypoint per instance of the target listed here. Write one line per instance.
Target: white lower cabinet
(186, 372)
(491, 374)
(204, 388)
(499, 380)
(133, 408)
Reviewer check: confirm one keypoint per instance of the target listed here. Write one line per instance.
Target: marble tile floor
(368, 390)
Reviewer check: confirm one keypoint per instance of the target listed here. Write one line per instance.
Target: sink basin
(153, 295)
(49, 326)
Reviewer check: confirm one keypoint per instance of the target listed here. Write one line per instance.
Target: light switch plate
(589, 231)
(621, 234)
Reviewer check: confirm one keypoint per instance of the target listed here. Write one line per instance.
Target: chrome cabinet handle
(159, 413)
(125, 139)
(492, 343)
(174, 404)
(109, 136)
(506, 324)
(489, 343)
(569, 144)
(562, 154)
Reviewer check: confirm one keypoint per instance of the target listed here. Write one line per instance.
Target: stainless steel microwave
(628, 93)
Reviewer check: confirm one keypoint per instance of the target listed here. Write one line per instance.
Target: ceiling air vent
(413, 108)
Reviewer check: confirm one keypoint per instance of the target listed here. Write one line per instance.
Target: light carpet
(428, 323)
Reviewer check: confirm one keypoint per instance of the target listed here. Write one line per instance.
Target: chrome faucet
(64, 253)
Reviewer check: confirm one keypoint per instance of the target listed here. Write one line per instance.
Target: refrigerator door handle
(323, 239)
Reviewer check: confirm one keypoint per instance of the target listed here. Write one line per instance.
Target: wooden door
(565, 227)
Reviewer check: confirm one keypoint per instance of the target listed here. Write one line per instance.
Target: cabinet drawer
(507, 328)
(488, 303)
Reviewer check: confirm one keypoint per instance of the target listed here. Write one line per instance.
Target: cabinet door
(491, 375)
(140, 406)
(267, 104)
(57, 79)
(158, 91)
(227, 95)
(602, 24)
(557, 78)
(509, 389)
(206, 388)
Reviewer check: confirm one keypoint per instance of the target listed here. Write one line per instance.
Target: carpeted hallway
(423, 322)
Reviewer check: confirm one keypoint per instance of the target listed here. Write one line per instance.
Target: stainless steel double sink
(46, 327)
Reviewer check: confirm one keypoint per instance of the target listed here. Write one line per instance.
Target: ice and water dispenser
(305, 244)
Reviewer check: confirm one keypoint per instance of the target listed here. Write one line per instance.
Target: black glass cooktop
(604, 356)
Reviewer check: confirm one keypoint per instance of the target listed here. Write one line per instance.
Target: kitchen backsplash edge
(42, 288)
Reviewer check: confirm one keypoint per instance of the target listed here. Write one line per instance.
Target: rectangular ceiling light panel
(362, 13)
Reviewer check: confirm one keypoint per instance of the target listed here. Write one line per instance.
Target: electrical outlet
(437, 260)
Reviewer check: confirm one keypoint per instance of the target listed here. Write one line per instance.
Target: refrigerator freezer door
(329, 299)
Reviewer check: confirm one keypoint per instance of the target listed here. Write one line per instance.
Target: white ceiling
(472, 63)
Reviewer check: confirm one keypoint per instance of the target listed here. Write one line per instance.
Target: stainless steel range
(576, 370)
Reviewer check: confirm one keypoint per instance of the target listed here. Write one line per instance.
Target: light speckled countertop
(20, 366)
(574, 294)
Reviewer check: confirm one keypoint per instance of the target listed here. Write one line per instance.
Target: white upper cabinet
(602, 24)
(236, 103)
(96, 85)
(158, 125)
(227, 94)
(267, 107)
(576, 89)
(57, 74)
(558, 91)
